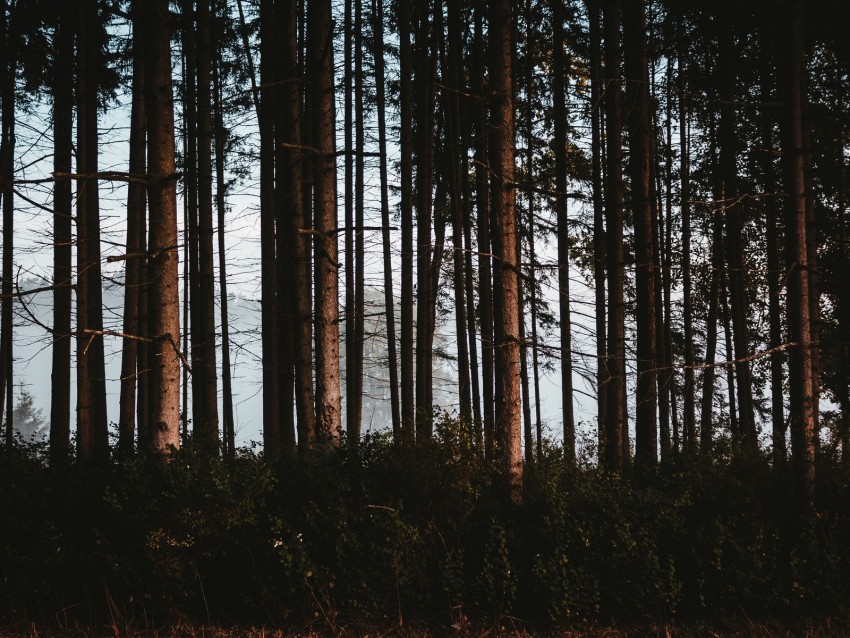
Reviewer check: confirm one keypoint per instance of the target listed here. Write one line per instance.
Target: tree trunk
(321, 101)
(408, 409)
(794, 155)
(63, 101)
(206, 431)
(616, 451)
(599, 240)
(219, 134)
(389, 305)
(192, 304)
(92, 424)
(294, 225)
(561, 168)
(7, 165)
(504, 247)
(485, 264)
(646, 424)
(425, 294)
(164, 316)
(689, 399)
(772, 212)
(709, 374)
(273, 436)
(355, 397)
(734, 212)
(136, 245)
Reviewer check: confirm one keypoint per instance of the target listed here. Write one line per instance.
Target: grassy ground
(737, 628)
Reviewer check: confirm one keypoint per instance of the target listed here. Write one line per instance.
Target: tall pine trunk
(561, 168)
(63, 103)
(326, 265)
(640, 143)
(136, 244)
(7, 165)
(507, 307)
(424, 153)
(206, 431)
(794, 154)
(164, 316)
(389, 304)
(219, 134)
(616, 448)
(92, 424)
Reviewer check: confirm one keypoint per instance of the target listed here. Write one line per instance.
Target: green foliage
(388, 533)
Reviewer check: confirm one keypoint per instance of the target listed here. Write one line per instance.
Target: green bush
(383, 533)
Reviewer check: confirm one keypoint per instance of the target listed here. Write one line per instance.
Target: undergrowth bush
(386, 534)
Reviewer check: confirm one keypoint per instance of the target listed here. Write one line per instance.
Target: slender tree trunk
(356, 396)
(455, 150)
(389, 305)
(736, 268)
(425, 295)
(532, 258)
(164, 316)
(273, 435)
(794, 150)
(504, 247)
(219, 134)
(352, 402)
(561, 169)
(206, 432)
(616, 429)
(63, 101)
(689, 399)
(485, 264)
(406, 204)
(599, 240)
(663, 238)
(646, 424)
(772, 212)
(136, 245)
(285, 236)
(92, 424)
(295, 225)
(192, 303)
(321, 101)
(7, 165)
(734, 423)
(709, 374)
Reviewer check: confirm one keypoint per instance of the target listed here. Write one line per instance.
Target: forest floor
(738, 628)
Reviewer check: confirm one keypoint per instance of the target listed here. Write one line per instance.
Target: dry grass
(738, 628)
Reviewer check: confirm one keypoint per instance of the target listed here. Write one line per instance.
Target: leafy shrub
(383, 533)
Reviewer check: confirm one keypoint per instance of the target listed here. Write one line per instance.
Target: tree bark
(597, 89)
(689, 390)
(321, 101)
(136, 245)
(63, 101)
(616, 449)
(646, 424)
(7, 165)
(219, 135)
(389, 305)
(425, 294)
(734, 213)
(504, 247)
(798, 308)
(164, 316)
(485, 264)
(408, 406)
(92, 423)
(561, 169)
(206, 431)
